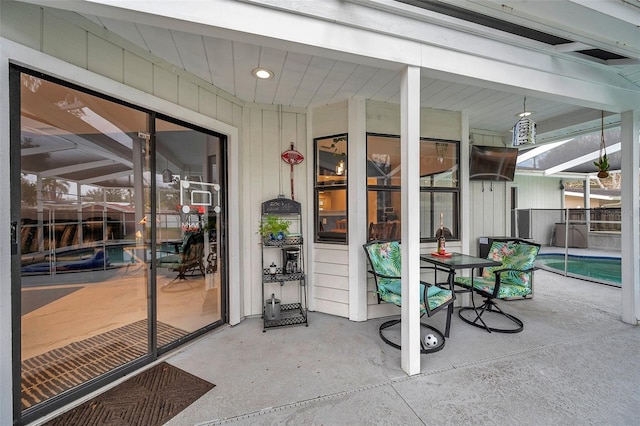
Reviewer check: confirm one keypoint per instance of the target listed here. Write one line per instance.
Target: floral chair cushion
(513, 283)
(386, 261)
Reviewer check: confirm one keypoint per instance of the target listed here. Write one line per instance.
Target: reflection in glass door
(83, 242)
(188, 273)
(104, 244)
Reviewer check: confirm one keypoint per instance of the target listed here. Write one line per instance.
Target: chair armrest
(378, 275)
(497, 272)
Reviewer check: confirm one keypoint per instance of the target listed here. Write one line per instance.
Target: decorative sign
(292, 157)
(281, 206)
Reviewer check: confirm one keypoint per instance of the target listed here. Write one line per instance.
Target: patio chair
(383, 231)
(385, 261)
(512, 280)
(190, 256)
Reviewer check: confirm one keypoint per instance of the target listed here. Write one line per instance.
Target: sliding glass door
(188, 208)
(117, 236)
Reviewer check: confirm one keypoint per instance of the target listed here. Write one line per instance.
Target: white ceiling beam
(574, 124)
(539, 150)
(117, 175)
(580, 160)
(627, 11)
(573, 20)
(571, 47)
(622, 62)
(59, 171)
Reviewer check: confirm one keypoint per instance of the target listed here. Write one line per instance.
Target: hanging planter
(603, 162)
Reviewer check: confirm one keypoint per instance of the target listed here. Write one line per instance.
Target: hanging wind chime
(603, 162)
(292, 157)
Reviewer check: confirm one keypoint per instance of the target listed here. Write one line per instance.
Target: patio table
(455, 262)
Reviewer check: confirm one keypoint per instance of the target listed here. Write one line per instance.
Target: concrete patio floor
(575, 363)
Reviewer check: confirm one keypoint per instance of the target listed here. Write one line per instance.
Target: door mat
(61, 369)
(150, 398)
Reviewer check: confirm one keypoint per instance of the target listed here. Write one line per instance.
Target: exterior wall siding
(490, 201)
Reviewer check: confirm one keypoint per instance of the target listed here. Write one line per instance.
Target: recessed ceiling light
(262, 73)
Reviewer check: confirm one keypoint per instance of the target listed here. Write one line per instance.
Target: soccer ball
(430, 340)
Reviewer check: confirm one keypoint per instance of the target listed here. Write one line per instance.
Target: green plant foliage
(603, 163)
(272, 224)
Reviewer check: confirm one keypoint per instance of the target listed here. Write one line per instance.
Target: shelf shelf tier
(292, 244)
(290, 314)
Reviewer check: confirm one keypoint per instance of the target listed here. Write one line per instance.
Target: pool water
(601, 269)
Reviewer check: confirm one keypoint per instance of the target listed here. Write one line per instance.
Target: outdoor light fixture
(262, 73)
(524, 131)
(340, 168)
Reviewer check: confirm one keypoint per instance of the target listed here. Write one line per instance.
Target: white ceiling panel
(381, 78)
(220, 60)
(331, 89)
(160, 43)
(272, 59)
(390, 92)
(293, 70)
(126, 30)
(361, 75)
(190, 47)
(312, 79)
(246, 57)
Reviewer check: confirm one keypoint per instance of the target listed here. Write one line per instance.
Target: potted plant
(603, 166)
(603, 162)
(273, 228)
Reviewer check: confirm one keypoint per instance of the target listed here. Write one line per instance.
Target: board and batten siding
(266, 176)
(490, 202)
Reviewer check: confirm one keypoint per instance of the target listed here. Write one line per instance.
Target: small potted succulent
(273, 228)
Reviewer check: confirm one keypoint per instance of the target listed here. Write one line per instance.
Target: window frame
(318, 188)
(433, 191)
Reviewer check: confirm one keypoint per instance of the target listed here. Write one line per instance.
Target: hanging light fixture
(524, 131)
(441, 151)
(167, 174)
(339, 151)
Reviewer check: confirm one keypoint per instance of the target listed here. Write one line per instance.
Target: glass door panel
(188, 273)
(84, 243)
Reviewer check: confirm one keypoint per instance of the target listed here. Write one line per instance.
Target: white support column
(357, 220)
(586, 194)
(630, 216)
(410, 201)
(463, 181)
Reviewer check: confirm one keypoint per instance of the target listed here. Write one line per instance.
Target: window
(439, 187)
(331, 189)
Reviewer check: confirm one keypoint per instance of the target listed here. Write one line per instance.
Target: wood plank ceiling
(306, 80)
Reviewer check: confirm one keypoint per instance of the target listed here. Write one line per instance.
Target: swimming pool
(606, 270)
